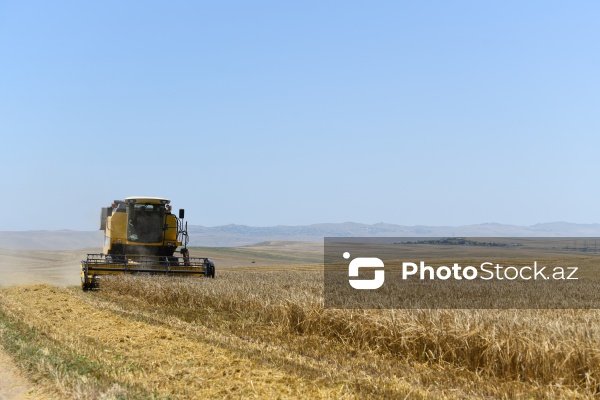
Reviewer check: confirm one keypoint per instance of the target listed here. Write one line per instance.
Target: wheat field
(261, 331)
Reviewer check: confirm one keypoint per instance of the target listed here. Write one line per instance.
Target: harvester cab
(141, 235)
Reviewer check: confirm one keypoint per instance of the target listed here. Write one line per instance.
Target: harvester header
(141, 235)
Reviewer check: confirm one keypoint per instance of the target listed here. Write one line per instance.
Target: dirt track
(13, 385)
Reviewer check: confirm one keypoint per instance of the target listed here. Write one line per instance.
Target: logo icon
(365, 262)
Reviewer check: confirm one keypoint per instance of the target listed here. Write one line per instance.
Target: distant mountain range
(241, 235)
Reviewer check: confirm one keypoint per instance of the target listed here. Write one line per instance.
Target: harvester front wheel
(210, 270)
(85, 285)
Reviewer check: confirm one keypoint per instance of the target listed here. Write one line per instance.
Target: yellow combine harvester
(141, 235)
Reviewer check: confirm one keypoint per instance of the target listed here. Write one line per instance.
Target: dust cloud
(58, 268)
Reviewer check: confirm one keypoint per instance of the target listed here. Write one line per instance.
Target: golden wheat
(540, 347)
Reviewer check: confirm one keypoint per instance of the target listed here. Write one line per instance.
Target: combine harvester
(141, 236)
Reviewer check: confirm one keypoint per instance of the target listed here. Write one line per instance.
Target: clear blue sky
(277, 112)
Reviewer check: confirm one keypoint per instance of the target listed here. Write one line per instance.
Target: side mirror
(181, 213)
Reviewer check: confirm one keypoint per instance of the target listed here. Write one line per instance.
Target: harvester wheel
(84, 279)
